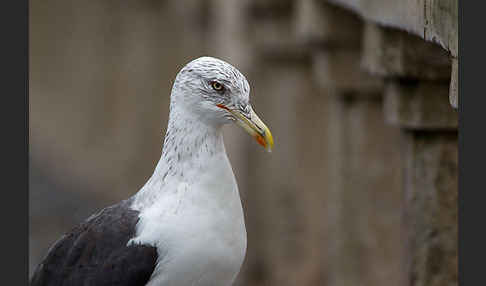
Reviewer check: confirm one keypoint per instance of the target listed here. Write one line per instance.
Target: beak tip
(254, 126)
(269, 139)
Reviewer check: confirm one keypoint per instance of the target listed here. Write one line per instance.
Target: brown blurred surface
(100, 80)
(324, 208)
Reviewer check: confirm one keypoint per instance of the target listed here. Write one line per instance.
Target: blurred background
(361, 187)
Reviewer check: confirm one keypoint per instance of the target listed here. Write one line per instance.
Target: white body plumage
(190, 208)
(198, 228)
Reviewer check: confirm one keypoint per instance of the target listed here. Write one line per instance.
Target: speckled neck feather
(189, 143)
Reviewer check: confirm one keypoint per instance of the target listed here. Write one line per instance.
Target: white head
(217, 93)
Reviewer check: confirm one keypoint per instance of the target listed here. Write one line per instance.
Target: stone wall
(384, 77)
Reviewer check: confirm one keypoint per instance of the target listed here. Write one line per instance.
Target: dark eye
(217, 86)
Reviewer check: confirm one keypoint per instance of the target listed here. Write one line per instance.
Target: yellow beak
(253, 125)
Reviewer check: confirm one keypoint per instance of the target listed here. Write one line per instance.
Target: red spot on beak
(261, 141)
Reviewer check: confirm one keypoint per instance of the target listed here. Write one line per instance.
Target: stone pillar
(364, 192)
(286, 203)
(454, 93)
(417, 76)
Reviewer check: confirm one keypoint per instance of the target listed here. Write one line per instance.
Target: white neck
(190, 208)
(189, 145)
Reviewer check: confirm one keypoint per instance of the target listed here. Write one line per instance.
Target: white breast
(198, 228)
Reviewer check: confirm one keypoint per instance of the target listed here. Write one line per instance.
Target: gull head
(217, 93)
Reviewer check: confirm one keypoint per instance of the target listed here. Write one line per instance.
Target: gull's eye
(217, 86)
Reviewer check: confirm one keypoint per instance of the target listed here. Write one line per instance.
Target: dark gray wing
(96, 253)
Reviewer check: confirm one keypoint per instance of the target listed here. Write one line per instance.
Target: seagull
(185, 226)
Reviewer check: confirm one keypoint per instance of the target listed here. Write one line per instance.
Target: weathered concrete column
(364, 193)
(286, 204)
(453, 92)
(417, 75)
